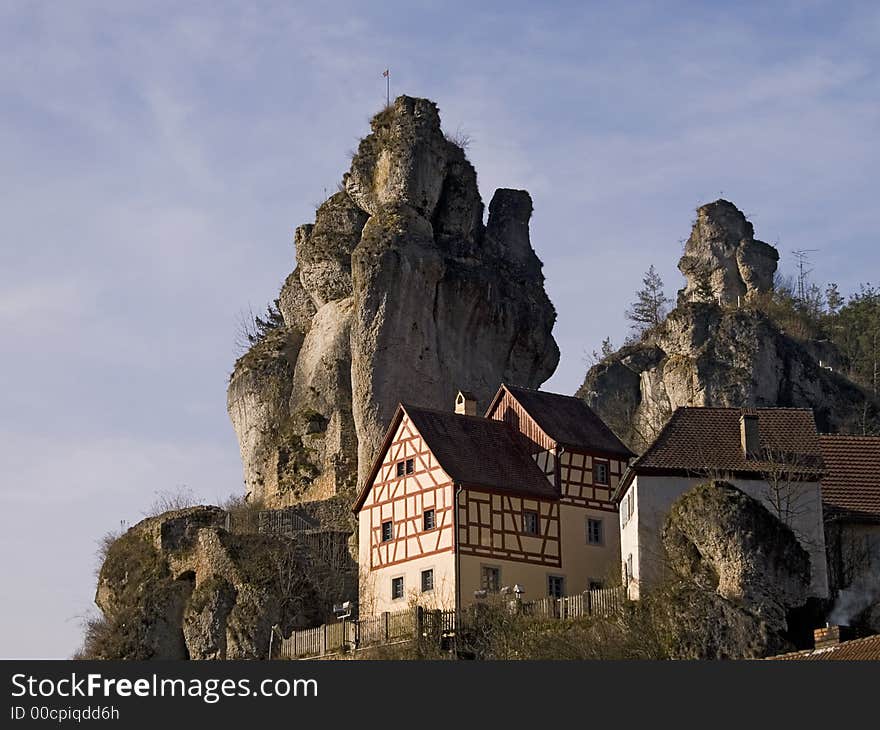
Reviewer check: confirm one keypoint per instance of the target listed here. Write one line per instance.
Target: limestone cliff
(400, 292)
(718, 347)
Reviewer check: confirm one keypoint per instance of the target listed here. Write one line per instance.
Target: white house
(771, 454)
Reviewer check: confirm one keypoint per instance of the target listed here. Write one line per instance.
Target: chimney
(466, 403)
(749, 435)
(831, 635)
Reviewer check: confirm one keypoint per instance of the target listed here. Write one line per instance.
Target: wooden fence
(599, 602)
(422, 624)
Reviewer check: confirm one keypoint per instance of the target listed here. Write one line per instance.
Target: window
(595, 585)
(600, 472)
(400, 468)
(490, 578)
(627, 507)
(530, 522)
(410, 466)
(628, 570)
(387, 531)
(397, 588)
(427, 580)
(428, 520)
(594, 532)
(555, 586)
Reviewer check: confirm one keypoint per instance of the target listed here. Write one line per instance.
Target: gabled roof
(867, 649)
(852, 474)
(700, 439)
(566, 419)
(473, 451)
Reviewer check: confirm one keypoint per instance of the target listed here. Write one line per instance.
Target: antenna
(802, 256)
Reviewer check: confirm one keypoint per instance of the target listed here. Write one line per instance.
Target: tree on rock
(650, 307)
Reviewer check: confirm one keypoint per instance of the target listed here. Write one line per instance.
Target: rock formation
(722, 260)
(722, 540)
(400, 293)
(718, 347)
(736, 586)
(180, 586)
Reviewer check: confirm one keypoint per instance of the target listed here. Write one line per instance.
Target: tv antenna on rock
(802, 256)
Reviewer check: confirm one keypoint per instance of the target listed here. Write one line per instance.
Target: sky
(157, 156)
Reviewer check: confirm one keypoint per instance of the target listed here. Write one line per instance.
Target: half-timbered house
(456, 504)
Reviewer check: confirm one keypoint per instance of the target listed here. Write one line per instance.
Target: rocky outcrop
(736, 583)
(400, 293)
(722, 540)
(722, 261)
(716, 350)
(181, 586)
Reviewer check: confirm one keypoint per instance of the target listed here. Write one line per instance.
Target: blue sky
(156, 158)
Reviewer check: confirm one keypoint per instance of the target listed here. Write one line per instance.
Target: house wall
(534, 578)
(490, 526)
(581, 561)
(403, 500)
(854, 565)
(654, 495)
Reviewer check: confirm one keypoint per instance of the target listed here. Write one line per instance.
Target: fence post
(385, 617)
(323, 639)
(420, 622)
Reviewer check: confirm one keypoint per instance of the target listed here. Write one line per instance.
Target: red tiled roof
(867, 649)
(569, 421)
(700, 439)
(480, 452)
(852, 474)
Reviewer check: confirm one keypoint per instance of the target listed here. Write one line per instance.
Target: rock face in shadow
(718, 347)
(400, 293)
(182, 586)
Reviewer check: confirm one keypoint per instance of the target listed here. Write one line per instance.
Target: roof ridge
(543, 392)
(443, 412)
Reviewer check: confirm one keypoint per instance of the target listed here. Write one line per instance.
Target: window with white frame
(387, 530)
(600, 472)
(427, 580)
(555, 586)
(428, 520)
(530, 522)
(397, 588)
(594, 531)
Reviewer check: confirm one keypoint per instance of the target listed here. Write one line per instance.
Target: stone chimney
(466, 403)
(749, 435)
(831, 635)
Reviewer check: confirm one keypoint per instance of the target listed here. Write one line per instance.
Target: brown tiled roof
(700, 439)
(480, 452)
(852, 474)
(867, 649)
(569, 421)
